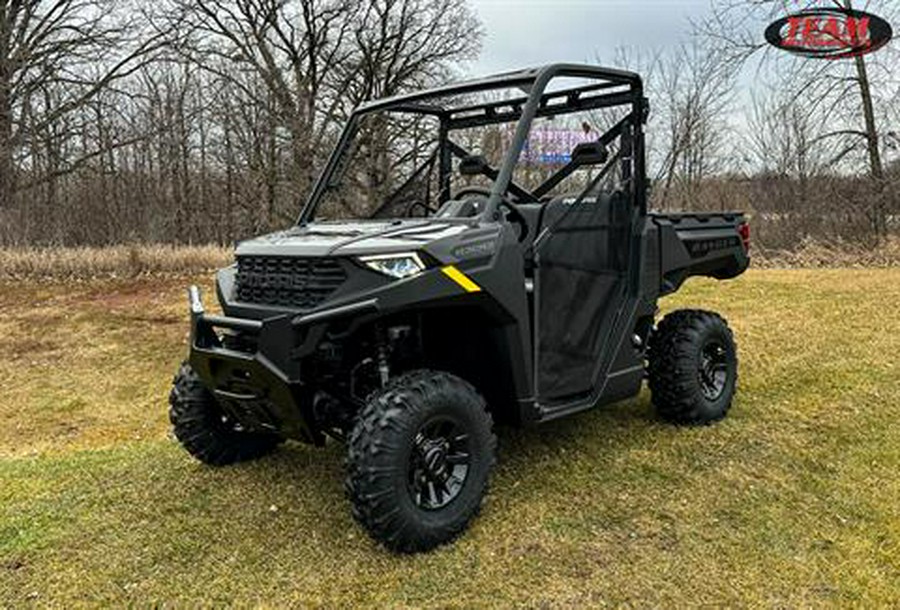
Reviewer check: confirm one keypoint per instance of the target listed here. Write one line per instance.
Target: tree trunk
(876, 167)
(7, 168)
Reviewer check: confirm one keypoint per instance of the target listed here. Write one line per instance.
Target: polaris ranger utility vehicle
(469, 255)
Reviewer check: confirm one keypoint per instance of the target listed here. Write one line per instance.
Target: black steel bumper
(257, 382)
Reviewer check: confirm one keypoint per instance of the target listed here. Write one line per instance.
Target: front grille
(286, 281)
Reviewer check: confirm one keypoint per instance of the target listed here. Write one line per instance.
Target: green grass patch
(790, 502)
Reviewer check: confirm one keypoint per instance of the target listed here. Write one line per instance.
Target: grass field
(791, 502)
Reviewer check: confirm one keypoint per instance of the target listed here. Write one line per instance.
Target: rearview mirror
(590, 153)
(473, 165)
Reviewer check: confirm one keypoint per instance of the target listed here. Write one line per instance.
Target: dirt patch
(158, 319)
(13, 565)
(118, 295)
(28, 346)
(106, 294)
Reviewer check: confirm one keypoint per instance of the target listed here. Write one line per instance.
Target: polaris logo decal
(702, 247)
(830, 33)
(285, 281)
(477, 250)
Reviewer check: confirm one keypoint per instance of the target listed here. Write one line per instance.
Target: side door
(581, 287)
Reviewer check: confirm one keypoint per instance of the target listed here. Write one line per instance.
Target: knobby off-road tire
(692, 367)
(419, 459)
(205, 431)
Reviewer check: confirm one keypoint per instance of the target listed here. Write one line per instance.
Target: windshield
(387, 169)
(411, 157)
(389, 165)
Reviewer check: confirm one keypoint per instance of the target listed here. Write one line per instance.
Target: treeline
(811, 148)
(204, 121)
(193, 121)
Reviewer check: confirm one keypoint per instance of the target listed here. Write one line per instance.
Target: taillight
(744, 232)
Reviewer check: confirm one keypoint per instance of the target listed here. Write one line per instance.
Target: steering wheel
(413, 205)
(512, 213)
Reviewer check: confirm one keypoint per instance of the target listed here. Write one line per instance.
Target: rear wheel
(205, 431)
(693, 367)
(419, 459)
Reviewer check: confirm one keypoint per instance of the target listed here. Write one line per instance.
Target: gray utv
(444, 275)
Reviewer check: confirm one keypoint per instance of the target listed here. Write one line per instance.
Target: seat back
(532, 213)
(589, 231)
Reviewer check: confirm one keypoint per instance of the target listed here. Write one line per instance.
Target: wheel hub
(436, 460)
(713, 370)
(439, 464)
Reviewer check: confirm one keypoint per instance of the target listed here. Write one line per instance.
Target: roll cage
(613, 88)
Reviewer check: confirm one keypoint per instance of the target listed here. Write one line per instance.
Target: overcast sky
(528, 33)
(525, 33)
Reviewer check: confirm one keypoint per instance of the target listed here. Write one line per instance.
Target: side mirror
(590, 153)
(473, 165)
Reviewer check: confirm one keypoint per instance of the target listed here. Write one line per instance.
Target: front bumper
(257, 382)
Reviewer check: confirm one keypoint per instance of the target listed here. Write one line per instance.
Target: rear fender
(699, 245)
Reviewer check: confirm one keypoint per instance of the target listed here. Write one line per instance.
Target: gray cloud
(533, 32)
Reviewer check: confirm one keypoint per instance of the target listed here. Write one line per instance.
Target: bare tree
(319, 58)
(55, 57)
(407, 44)
(851, 94)
(691, 91)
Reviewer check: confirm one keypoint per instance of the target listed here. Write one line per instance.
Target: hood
(349, 238)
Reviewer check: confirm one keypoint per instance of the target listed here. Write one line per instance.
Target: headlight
(400, 266)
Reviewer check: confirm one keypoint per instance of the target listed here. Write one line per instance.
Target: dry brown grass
(131, 261)
(110, 262)
(815, 254)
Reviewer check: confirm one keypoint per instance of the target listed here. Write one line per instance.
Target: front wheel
(419, 459)
(205, 431)
(692, 367)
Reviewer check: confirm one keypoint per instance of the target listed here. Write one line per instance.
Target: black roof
(542, 74)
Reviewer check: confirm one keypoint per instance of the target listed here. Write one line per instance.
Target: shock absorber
(384, 369)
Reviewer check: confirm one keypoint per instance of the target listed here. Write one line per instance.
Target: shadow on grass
(531, 460)
(135, 520)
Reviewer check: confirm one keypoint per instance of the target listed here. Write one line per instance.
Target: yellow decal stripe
(461, 278)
